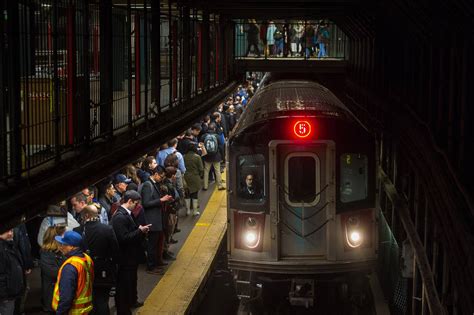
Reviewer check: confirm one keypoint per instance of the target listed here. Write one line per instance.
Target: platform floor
(177, 289)
(148, 282)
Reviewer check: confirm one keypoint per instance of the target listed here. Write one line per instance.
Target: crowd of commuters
(299, 38)
(92, 244)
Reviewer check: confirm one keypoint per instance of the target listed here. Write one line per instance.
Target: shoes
(221, 188)
(204, 189)
(196, 213)
(173, 241)
(167, 256)
(177, 230)
(155, 271)
(161, 263)
(137, 304)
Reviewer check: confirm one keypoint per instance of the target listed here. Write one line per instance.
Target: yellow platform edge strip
(175, 291)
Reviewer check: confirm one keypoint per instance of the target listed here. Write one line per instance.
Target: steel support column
(84, 86)
(155, 55)
(13, 83)
(186, 54)
(3, 100)
(106, 67)
(147, 55)
(205, 50)
(72, 121)
(170, 55)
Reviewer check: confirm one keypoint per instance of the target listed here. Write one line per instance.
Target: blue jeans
(322, 50)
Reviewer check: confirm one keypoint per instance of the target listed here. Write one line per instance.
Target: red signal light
(302, 129)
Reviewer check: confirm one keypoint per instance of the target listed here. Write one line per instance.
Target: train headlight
(250, 238)
(251, 233)
(353, 232)
(249, 229)
(355, 236)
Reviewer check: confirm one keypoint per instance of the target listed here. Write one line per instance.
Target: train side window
(302, 179)
(354, 178)
(251, 178)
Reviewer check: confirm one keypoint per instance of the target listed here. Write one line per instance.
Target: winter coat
(50, 262)
(195, 171)
(252, 33)
(270, 31)
(12, 276)
(22, 242)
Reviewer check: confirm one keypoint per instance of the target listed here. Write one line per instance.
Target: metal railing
(298, 39)
(79, 72)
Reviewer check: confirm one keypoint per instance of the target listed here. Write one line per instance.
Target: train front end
(301, 203)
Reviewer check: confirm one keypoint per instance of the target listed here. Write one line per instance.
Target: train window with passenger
(302, 179)
(354, 178)
(251, 175)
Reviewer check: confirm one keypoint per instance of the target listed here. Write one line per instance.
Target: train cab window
(251, 178)
(354, 177)
(302, 179)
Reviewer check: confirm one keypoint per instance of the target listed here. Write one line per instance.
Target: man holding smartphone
(130, 237)
(152, 201)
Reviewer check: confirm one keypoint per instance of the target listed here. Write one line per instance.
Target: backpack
(277, 35)
(211, 144)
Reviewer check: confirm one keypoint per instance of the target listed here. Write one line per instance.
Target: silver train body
(301, 181)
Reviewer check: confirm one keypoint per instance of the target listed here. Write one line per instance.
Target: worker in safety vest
(73, 289)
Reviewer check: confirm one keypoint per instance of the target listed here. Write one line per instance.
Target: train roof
(296, 96)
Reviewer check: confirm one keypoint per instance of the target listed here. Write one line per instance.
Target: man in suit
(130, 238)
(152, 203)
(102, 246)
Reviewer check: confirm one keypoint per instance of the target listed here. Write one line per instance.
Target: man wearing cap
(130, 237)
(73, 289)
(120, 183)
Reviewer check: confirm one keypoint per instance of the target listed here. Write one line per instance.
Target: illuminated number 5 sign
(302, 129)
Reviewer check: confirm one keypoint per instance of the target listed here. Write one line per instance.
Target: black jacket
(12, 276)
(129, 238)
(151, 195)
(50, 262)
(22, 242)
(100, 240)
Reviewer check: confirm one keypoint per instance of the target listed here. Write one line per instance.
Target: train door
(304, 190)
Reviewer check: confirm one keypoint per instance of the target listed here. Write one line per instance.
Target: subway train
(301, 193)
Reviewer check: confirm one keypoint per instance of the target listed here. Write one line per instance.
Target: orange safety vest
(82, 303)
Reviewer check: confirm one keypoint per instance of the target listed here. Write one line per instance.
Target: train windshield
(251, 178)
(354, 177)
(302, 179)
